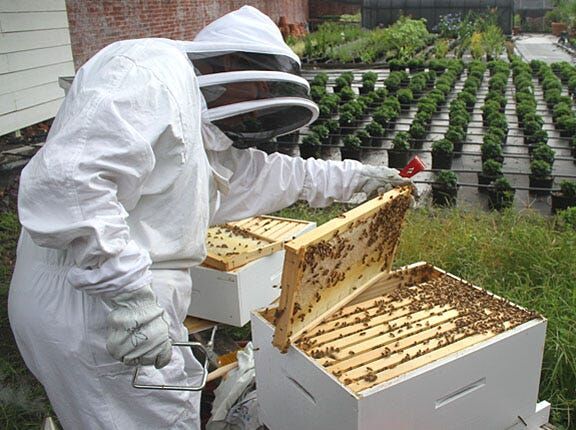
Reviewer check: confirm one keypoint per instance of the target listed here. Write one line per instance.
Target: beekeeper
(141, 159)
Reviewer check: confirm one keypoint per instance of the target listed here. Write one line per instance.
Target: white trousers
(61, 333)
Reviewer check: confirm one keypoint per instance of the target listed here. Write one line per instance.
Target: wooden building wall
(34, 52)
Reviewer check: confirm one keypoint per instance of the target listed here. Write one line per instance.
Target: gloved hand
(381, 179)
(137, 330)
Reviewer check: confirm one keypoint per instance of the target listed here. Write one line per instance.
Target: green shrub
(447, 179)
(568, 188)
(375, 129)
(400, 141)
(492, 168)
(352, 142)
(442, 147)
(568, 216)
(405, 96)
(544, 152)
(321, 79)
(540, 168)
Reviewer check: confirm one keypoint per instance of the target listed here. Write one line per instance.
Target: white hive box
(227, 292)
(366, 348)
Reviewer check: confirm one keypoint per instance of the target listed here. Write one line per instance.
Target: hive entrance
(371, 342)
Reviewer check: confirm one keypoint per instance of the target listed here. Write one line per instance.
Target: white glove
(137, 330)
(381, 179)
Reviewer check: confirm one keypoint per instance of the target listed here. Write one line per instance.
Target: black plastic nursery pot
(499, 200)
(398, 159)
(458, 149)
(538, 182)
(416, 143)
(351, 154)
(485, 180)
(561, 202)
(444, 196)
(289, 139)
(310, 151)
(268, 147)
(377, 141)
(441, 161)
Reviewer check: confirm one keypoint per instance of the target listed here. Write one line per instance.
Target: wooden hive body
(415, 348)
(228, 295)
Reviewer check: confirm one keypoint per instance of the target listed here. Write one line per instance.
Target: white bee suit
(120, 197)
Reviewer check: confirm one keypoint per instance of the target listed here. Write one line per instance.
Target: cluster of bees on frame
(358, 345)
(228, 240)
(351, 257)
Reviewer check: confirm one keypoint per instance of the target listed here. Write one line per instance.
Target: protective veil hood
(250, 78)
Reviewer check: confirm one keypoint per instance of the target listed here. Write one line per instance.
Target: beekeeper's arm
(264, 183)
(76, 192)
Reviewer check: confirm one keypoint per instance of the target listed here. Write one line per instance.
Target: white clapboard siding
(13, 82)
(20, 119)
(30, 97)
(24, 40)
(32, 5)
(33, 58)
(29, 21)
(34, 52)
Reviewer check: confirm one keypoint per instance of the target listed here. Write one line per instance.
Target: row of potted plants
(460, 111)
(567, 74)
(494, 119)
(564, 120)
(432, 102)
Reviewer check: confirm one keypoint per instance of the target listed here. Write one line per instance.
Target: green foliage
(447, 179)
(375, 129)
(568, 188)
(492, 168)
(442, 146)
(568, 216)
(540, 168)
(543, 152)
(401, 141)
(352, 142)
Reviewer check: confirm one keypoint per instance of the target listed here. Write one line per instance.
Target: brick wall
(322, 8)
(97, 23)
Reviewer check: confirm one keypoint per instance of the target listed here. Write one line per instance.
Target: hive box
(353, 345)
(228, 296)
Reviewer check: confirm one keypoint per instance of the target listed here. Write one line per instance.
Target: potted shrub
(364, 137)
(540, 177)
(405, 97)
(368, 82)
(491, 170)
(316, 93)
(542, 151)
(346, 94)
(417, 132)
(351, 149)
(567, 125)
(376, 131)
(396, 65)
(457, 136)
(501, 194)
(321, 79)
(322, 132)
(310, 146)
(399, 152)
(442, 154)
(492, 150)
(340, 83)
(565, 198)
(445, 188)
(347, 123)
